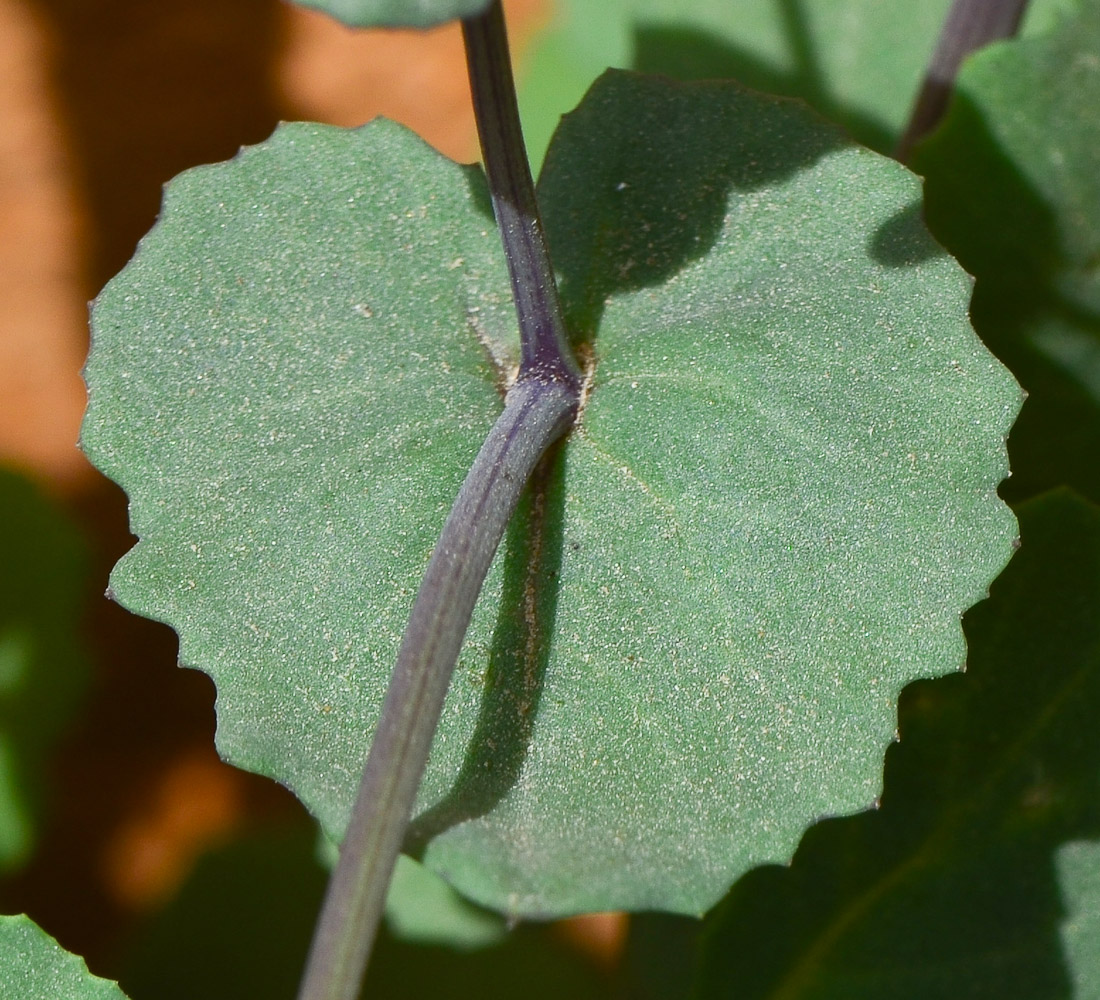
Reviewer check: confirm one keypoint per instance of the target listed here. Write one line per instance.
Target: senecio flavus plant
(715, 387)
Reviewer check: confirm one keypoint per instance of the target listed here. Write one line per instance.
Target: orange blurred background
(101, 103)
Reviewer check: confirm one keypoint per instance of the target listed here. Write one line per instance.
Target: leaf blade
(576, 765)
(35, 966)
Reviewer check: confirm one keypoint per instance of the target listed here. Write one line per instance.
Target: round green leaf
(396, 13)
(34, 967)
(780, 497)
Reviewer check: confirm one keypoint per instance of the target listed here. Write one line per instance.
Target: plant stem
(970, 24)
(542, 329)
(536, 413)
(540, 406)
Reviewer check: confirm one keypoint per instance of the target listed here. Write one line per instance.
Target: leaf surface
(395, 13)
(780, 497)
(33, 967)
(977, 861)
(1013, 190)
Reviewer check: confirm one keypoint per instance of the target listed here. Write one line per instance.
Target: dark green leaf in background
(956, 886)
(42, 666)
(246, 916)
(34, 967)
(1013, 190)
(780, 497)
(239, 927)
(395, 13)
(659, 956)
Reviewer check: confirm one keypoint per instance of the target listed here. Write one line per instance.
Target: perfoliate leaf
(396, 13)
(960, 884)
(1014, 190)
(780, 496)
(34, 967)
(42, 669)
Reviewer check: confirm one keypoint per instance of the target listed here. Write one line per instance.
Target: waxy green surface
(34, 967)
(780, 496)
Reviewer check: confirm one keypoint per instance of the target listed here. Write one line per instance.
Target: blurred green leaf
(858, 62)
(395, 13)
(34, 967)
(1013, 189)
(951, 889)
(42, 665)
(780, 497)
(422, 908)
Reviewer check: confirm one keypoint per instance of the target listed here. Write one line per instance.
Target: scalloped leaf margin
(780, 499)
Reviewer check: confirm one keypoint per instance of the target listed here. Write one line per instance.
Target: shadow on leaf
(517, 660)
(638, 178)
(689, 53)
(903, 240)
(605, 194)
